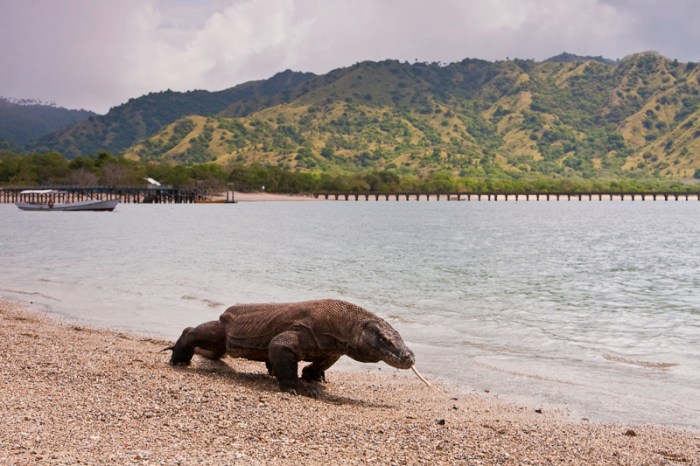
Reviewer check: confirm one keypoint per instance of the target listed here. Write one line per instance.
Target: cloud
(669, 28)
(72, 52)
(95, 54)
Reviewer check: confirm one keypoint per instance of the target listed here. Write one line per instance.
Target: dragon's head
(378, 341)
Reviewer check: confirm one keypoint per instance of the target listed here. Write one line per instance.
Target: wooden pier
(159, 195)
(126, 195)
(462, 196)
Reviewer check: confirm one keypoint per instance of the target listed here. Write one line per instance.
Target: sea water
(589, 306)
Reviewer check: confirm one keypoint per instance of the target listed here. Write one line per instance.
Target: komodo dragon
(281, 335)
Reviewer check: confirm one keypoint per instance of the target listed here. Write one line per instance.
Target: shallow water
(590, 306)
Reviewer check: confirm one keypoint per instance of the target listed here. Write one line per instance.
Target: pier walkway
(187, 196)
(80, 193)
(417, 196)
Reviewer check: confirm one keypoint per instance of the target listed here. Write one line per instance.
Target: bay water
(588, 306)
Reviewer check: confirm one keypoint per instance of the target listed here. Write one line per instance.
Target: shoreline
(73, 394)
(267, 197)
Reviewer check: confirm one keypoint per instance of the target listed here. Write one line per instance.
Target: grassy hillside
(587, 117)
(128, 123)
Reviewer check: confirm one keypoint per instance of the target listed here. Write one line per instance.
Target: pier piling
(490, 196)
(126, 195)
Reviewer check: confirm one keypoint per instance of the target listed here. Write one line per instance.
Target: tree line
(105, 169)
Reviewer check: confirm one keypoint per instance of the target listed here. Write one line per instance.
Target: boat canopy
(39, 191)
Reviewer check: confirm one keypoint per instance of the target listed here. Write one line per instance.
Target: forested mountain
(27, 120)
(584, 116)
(140, 117)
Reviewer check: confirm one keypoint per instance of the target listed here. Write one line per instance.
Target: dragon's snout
(400, 358)
(407, 359)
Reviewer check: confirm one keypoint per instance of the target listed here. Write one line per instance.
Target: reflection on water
(591, 306)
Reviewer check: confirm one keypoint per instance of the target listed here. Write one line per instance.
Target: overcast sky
(95, 54)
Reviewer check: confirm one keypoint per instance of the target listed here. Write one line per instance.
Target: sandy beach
(76, 395)
(263, 196)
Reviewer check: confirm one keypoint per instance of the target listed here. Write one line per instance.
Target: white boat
(48, 203)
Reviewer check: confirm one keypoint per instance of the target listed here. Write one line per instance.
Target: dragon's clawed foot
(299, 389)
(308, 374)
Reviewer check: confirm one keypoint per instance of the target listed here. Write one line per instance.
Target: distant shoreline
(129, 195)
(71, 394)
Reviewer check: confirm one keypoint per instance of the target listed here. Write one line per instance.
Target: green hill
(140, 117)
(25, 121)
(568, 115)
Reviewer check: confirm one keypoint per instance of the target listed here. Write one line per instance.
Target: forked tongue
(422, 379)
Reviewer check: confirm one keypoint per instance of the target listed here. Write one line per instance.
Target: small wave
(540, 378)
(50, 280)
(208, 302)
(399, 318)
(29, 293)
(644, 364)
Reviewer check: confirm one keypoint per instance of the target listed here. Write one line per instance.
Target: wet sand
(76, 395)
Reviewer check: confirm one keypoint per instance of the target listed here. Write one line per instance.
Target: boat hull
(91, 205)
